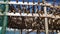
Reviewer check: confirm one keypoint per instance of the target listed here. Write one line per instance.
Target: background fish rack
(28, 15)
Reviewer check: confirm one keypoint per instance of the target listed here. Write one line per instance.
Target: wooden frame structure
(45, 15)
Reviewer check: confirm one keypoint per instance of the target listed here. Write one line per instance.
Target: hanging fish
(23, 7)
(18, 8)
(38, 10)
(28, 9)
(38, 1)
(17, 1)
(54, 11)
(12, 8)
(43, 1)
(23, 1)
(38, 32)
(33, 7)
(9, 0)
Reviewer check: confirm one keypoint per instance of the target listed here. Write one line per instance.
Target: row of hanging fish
(33, 23)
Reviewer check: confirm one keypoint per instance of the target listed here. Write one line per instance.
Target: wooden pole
(46, 21)
(5, 19)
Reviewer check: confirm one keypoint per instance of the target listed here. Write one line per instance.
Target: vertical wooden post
(5, 19)
(46, 21)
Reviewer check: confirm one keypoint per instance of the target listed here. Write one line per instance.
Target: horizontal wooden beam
(25, 3)
(30, 14)
(10, 29)
(30, 3)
